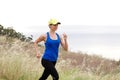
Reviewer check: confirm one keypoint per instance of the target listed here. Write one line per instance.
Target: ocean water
(104, 44)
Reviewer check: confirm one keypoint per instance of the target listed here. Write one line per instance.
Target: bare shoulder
(61, 36)
(43, 36)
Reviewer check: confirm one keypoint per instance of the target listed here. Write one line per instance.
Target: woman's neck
(52, 32)
(53, 35)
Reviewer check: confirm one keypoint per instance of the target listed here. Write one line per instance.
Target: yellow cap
(53, 21)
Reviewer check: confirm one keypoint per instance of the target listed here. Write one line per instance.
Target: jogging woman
(52, 40)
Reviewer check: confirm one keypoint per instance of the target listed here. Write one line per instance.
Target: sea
(103, 44)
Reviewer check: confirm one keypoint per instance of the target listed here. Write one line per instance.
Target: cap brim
(55, 24)
(58, 23)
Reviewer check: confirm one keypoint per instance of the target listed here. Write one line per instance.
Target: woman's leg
(49, 69)
(54, 72)
(46, 71)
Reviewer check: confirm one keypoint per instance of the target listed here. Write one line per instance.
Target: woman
(52, 40)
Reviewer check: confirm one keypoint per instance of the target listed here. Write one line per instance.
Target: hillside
(18, 62)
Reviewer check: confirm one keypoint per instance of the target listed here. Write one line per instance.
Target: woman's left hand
(64, 36)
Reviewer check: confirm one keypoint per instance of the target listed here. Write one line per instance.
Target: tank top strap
(48, 35)
(58, 35)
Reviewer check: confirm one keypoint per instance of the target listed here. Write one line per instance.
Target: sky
(33, 15)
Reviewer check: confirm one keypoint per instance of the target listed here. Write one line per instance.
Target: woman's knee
(56, 77)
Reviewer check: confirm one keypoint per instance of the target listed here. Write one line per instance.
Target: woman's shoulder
(59, 34)
(43, 35)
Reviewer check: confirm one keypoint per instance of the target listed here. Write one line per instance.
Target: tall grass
(18, 62)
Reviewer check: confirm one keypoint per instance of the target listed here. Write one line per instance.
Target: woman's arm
(41, 38)
(64, 42)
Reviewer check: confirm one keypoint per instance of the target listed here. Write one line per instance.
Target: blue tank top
(51, 48)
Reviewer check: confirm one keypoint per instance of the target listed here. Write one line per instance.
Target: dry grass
(18, 62)
(90, 63)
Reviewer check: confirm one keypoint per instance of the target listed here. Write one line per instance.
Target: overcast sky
(32, 15)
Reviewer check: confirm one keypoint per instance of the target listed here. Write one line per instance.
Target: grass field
(18, 62)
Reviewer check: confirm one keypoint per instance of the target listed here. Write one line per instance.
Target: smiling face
(53, 27)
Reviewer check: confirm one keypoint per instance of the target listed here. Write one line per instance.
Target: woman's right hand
(38, 55)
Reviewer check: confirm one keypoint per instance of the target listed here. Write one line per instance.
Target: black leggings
(49, 70)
